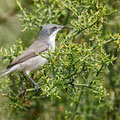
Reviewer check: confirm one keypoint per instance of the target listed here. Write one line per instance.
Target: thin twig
(76, 105)
(98, 72)
(14, 84)
(83, 85)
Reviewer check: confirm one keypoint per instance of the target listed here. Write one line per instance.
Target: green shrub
(72, 83)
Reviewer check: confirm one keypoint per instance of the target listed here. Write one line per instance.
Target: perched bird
(29, 60)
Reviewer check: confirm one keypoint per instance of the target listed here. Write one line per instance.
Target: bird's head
(50, 30)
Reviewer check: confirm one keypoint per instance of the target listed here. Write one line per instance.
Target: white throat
(52, 40)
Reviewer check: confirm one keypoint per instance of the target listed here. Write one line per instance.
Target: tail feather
(4, 72)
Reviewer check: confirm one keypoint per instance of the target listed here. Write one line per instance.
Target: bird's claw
(22, 92)
(36, 88)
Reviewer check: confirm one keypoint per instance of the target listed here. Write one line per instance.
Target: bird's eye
(54, 28)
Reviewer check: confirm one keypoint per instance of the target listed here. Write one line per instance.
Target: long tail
(4, 72)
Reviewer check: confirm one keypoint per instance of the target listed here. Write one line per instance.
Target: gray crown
(48, 29)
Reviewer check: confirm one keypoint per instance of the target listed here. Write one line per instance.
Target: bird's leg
(21, 81)
(36, 86)
(22, 91)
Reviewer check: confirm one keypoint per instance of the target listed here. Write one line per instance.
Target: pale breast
(33, 63)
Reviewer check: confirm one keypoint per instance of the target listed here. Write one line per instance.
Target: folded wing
(36, 47)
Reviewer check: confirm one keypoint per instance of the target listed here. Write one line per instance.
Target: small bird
(29, 60)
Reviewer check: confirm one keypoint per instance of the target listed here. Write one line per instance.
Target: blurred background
(10, 24)
(10, 31)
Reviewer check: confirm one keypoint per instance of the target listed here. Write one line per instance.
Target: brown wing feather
(36, 47)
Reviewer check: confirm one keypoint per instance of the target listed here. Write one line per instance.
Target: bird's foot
(36, 88)
(22, 92)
